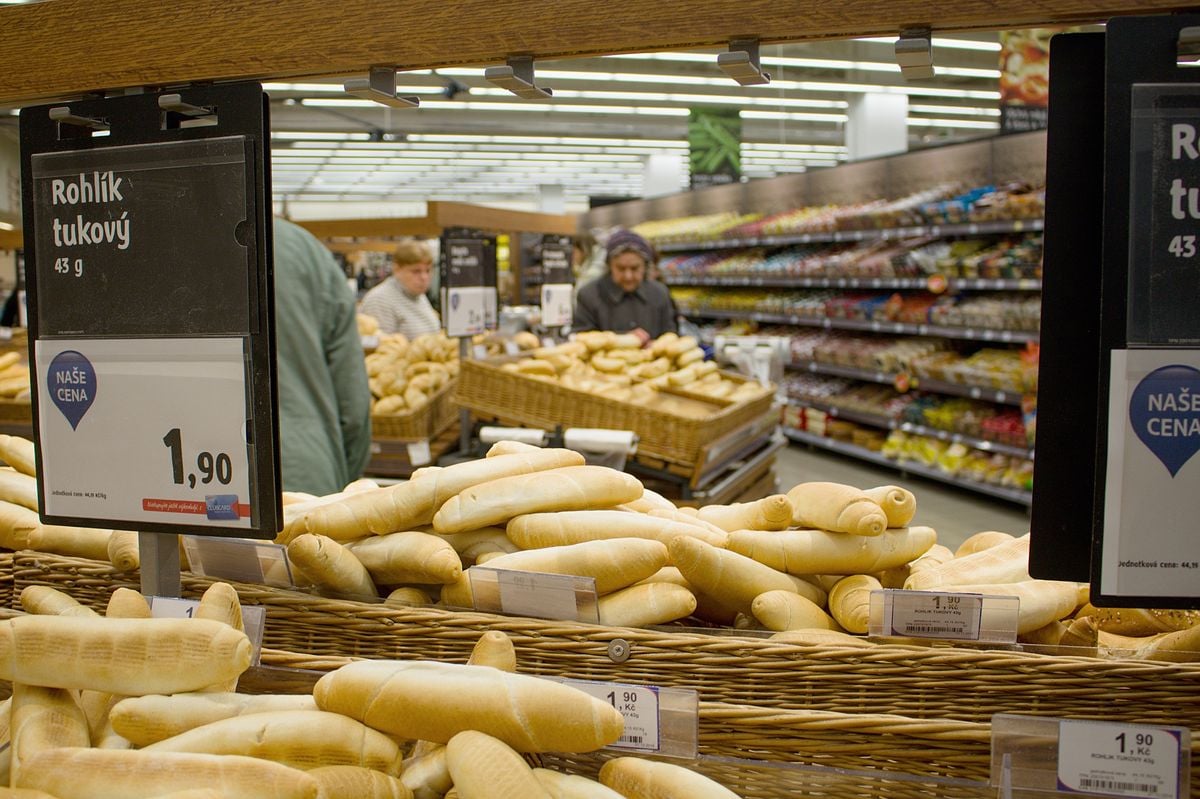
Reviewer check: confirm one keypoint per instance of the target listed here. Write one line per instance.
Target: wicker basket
(486, 388)
(947, 683)
(426, 422)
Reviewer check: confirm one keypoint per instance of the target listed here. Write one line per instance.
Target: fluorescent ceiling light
(799, 116)
(974, 111)
(920, 122)
(6, 226)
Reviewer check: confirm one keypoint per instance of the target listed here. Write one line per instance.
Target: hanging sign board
(558, 281)
(469, 302)
(150, 300)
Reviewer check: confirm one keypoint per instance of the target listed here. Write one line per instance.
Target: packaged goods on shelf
(1009, 370)
(1010, 202)
(692, 228)
(959, 460)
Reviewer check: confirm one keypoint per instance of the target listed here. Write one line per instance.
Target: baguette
(408, 505)
(1140, 621)
(302, 739)
(635, 778)
(614, 563)
(572, 786)
(689, 516)
(784, 610)
(24, 793)
(898, 504)
(645, 605)
(981, 541)
(733, 580)
(121, 656)
(1004, 563)
(19, 453)
(409, 557)
(434, 701)
(509, 447)
(650, 500)
(144, 720)
(19, 488)
(127, 604)
(567, 488)
(44, 600)
(836, 507)
(820, 637)
(821, 552)
(355, 782)
(73, 773)
(538, 530)
(472, 544)
(331, 566)
(850, 602)
(483, 767)
(769, 513)
(1181, 646)
(43, 718)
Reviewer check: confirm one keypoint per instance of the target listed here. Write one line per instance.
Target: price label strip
(538, 595)
(951, 616)
(254, 618)
(240, 560)
(1091, 758)
(662, 721)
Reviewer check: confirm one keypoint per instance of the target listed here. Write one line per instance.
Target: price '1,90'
(209, 465)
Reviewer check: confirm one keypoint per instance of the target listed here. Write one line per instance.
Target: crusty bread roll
(537, 530)
(786, 610)
(42, 719)
(646, 604)
(898, 504)
(614, 563)
(836, 507)
(822, 552)
(73, 773)
(769, 513)
(635, 778)
(483, 767)
(572, 786)
(144, 720)
(568, 488)
(733, 580)
(434, 701)
(121, 656)
(408, 557)
(355, 782)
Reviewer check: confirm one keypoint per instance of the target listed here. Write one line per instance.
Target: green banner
(715, 144)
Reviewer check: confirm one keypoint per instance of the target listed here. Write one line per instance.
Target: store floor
(955, 513)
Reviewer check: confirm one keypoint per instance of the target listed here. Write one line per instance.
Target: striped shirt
(399, 312)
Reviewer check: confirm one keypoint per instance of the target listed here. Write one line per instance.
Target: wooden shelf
(866, 234)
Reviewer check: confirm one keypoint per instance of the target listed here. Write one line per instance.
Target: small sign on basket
(254, 618)
(662, 721)
(538, 595)
(898, 613)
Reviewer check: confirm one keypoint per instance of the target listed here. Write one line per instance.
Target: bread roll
(572, 786)
(614, 563)
(837, 508)
(145, 720)
(483, 767)
(355, 782)
(42, 719)
(822, 552)
(645, 605)
(537, 530)
(635, 778)
(732, 579)
(898, 504)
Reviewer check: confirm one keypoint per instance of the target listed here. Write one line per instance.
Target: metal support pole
(159, 554)
(464, 415)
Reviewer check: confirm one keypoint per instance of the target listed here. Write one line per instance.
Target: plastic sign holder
(148, 241)
(538, 595)
(1036, 756)
(982, 618)
(468, 279)
(658, 721)
(240, 560)
(558, 281)
(254, 618)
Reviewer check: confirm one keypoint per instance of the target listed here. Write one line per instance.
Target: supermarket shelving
(999, 396)
(866, 234)
(1017, 495)
(773, 281)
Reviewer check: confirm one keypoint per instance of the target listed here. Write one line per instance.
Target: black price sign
(556, 260)
(464, 263)
(1164, 234)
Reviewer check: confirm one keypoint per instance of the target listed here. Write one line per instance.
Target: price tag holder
(239, 560)
(469, 300)
(558, 301)
(418, 452)
(1090, 758)
(660, 721)
(897, 613)
(563, 597)
(153, 367)
(254, 618)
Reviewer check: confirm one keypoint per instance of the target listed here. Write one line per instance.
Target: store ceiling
(470, 141)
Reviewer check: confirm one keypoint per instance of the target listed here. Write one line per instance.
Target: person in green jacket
(324, 401)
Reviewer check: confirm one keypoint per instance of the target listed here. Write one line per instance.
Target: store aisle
(954, 513)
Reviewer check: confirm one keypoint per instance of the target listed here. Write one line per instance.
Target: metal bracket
(62, 115)
(914, 53)
(517, 77)
(175, 104)
(742, 63)
(1189, 46)
(380, 87)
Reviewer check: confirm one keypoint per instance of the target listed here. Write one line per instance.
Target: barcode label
(933, 614)
(926, 628)
(630, 739)
(1113, 785)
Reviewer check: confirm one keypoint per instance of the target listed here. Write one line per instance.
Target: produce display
(619, 367)
(404, 375)
(999, 311)
(14, 377)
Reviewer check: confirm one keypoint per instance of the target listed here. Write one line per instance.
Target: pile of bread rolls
(126, 706)
(404, 375)
(619, 367)
(14, 377)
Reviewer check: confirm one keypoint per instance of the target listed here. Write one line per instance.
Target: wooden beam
(386, 228)
(500, 220)
(11, 239)
(58, 49)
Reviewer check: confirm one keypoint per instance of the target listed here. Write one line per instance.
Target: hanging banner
(715, 146)
(1025, 78)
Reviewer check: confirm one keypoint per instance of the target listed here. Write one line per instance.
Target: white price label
(145, 430)
(465, 311)
(1118, 759)
(370, 342)
(479, 351)
(638, 704)
(254, 617)
(544, 596)
(511, 348)
(557, 303)
(418, 452)
(928, 614)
